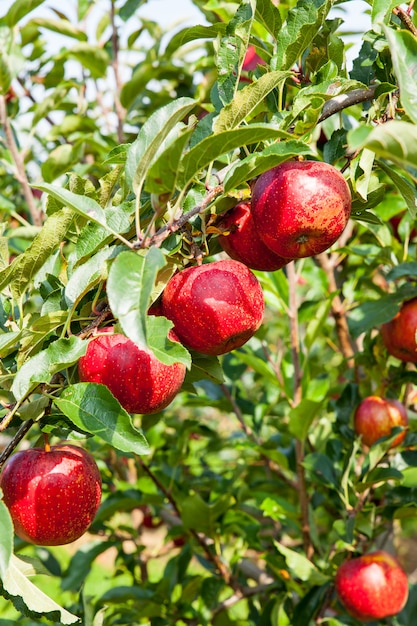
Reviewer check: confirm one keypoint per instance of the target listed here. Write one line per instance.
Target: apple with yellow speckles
(133, 374)
(300, 208)
(52, 493)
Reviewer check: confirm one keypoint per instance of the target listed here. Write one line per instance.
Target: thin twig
(36, 214)
(20, 434)
(201, 539)
(299, 445)
(347, 346)
(406, 19)
(120, 112)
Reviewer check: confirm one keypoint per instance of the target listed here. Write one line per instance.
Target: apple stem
(46, 444)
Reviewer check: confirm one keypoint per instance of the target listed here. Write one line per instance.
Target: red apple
(139, 381)
(252, 59)
(399, 335)
(375, 417)
(243, 243)
(395, 222)
(52, 493)
(215, 307)
(300, 208)
(372, 586)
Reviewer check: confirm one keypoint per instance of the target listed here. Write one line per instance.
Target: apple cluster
(298, 209)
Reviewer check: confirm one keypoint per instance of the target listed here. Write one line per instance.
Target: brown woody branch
(36, 214)
(345, 100)
(406, 19)
(299, 445)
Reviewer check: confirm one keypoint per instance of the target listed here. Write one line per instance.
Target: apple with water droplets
(300, 208)
(52, 493)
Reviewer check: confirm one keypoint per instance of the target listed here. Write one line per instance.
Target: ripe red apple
(372, 586)
(252, 59)
(52, 493)
(243, 243)
(399, 335)
(215, 307)
(375, 417)
(300, 208)
(139, 381)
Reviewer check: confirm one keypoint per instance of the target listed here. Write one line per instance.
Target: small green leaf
(63, 27)
(302, 416)
(406, 189)
(22, 270)
(5, 73)
(144, 149)
(269, 16)
(17, 585)
(395, 141)
(83, 205)
(92, 58)
(186, 35)
(6, 539)
(202, 516)
(210, 148)
(39, 369)
(19, 9)
(163, 172)
(87, 275)
(129, 287)
(300, 566)
(403, 48)
(247, 99)
(94, 409)
(166, 351)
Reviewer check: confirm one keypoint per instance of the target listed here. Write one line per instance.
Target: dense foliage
(237, 503)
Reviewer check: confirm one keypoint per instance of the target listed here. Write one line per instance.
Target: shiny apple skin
(375, 417)
(216, 307)
(300, 208)
(243, 242)
(399, 335)
(52, 496)
(372, 586)
(139, 381)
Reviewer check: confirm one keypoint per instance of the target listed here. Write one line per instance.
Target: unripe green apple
(52, 493)
(215, 307)
(243, 242)
(399, 335)
(139, 381)
(375, 417)
(372, 586)
(300, 208)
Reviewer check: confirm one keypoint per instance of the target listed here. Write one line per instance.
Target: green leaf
(202, 516)
(19, 9)
(39, 369)
(210, 148)
(6, 539)
(87, 275)
(186, 35)
(94, 409)
(269, 16)
(260, 162)
(381, 12)
(373, 313)
(80, 564)
(144, 149)
(247, 99)
(5, 73)
(22, 270)
(163, 172)
(83, 205)
(63, 27)
(166, 351)
(18, 586)
(205, 368)
(129, 287)
(403, 48)
(406, 189)
(395, 141)
(300, 566)
(302, 416)
(92, 58)
(302, 24)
